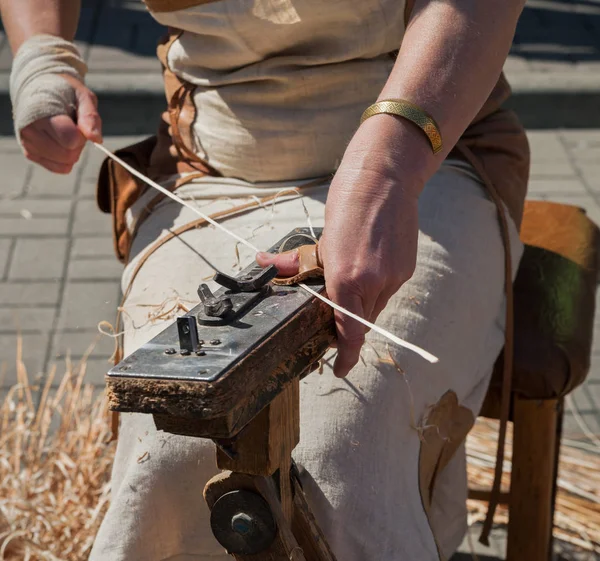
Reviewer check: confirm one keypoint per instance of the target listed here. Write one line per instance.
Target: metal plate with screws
(236, 339)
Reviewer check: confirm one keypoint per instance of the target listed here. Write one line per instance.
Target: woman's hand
(369, 244)
(56, 142)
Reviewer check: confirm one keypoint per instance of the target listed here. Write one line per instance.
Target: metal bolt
(215, 342)
(200, 353)
(201, 342)
(184, 352)
(170, 351)
(202, 372)
(247, 277)
(242, 524)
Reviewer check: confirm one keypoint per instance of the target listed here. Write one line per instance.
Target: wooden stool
(554, 314)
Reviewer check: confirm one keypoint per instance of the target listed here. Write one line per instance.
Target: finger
(63, 130)
(50, 165)
(287, 263)
(39, 143)
(350, 333)
(88, 120)
(379, 306)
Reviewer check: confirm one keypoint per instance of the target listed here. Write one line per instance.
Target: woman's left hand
(369, 243)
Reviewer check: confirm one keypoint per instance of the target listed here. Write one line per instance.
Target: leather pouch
(118, 189)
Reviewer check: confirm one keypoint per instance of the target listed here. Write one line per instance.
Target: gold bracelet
(411, 112)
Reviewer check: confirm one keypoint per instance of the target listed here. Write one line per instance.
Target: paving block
(32, 208)
(96, 247)
(34, 349)
(14, 168)
(33, 226)
(44, 183)
(95, 370)
(85, 304)
(5, 252)
(38, 259)
(550, 169)
(550, 186)
(5, 55)
(590, 174)
(546, 146)
(78, 343)
(90, 220)
(516, 63)
(585, 153)
(581, 137)
(587, 418)
(26, 320)
(28, 294)
(95, 269)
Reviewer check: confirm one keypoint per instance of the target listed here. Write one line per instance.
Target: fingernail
(264, 255)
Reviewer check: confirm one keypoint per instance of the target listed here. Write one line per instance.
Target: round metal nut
(242, 522)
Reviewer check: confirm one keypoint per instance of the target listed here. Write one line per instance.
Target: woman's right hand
(56, 142)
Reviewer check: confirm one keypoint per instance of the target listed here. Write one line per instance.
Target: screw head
(200, 353)
(184, 352)
(170, 351)
(202, 372)
(215, 342)
(242, 524)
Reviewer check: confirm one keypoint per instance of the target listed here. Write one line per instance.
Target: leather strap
(505, 394)
(185, 153)
(309, 265)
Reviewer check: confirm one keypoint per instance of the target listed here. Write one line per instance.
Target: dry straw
(55, 461)
(56, 457)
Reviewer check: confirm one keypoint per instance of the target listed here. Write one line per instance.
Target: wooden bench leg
(532, 480)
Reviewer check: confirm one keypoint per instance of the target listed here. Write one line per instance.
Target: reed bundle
(577, 517)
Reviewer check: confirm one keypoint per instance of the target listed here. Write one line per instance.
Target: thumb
(287, 263)
(88, 119)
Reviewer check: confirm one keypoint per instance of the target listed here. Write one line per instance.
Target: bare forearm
(25, 18)
(451, 57)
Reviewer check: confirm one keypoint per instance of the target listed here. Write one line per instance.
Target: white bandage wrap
(36, 88)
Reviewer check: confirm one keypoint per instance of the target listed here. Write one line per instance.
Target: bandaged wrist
(37, 90)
